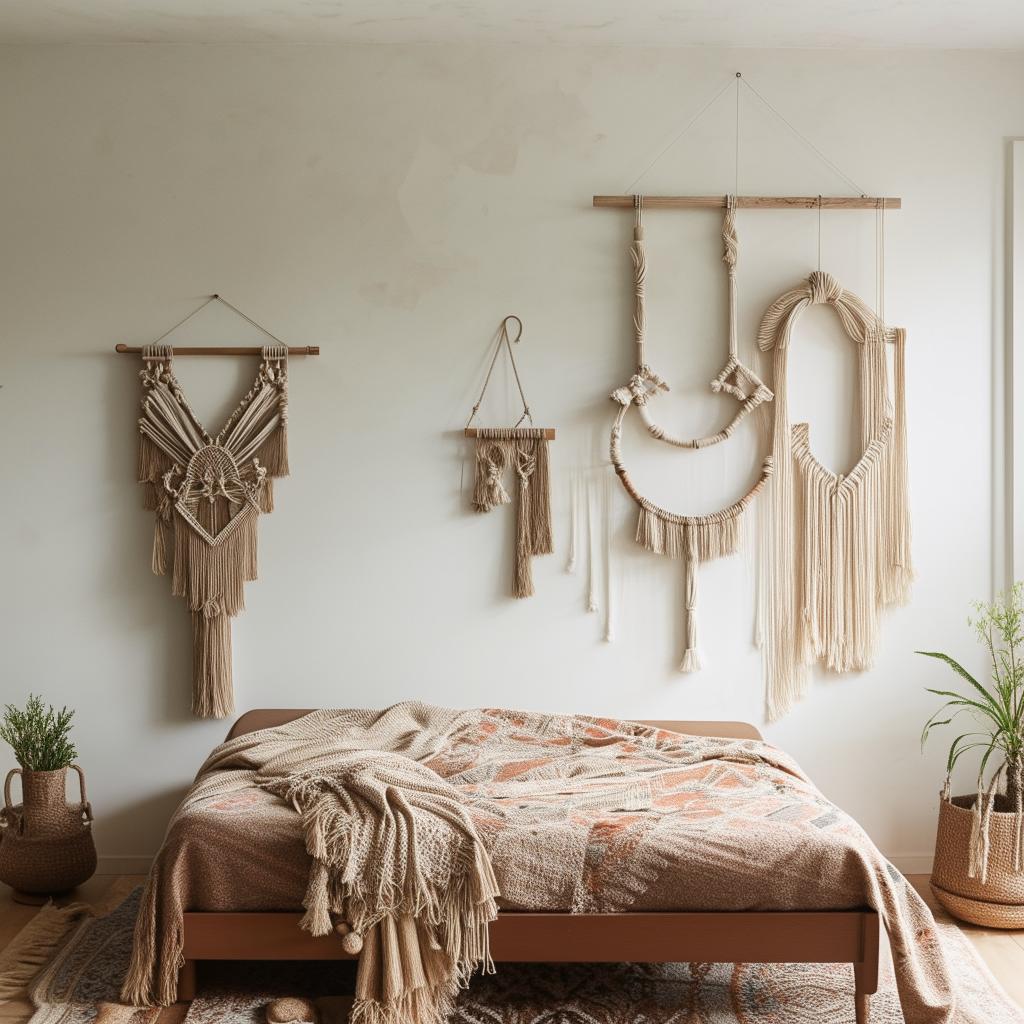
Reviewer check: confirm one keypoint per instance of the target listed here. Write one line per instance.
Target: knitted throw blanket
(396, 860)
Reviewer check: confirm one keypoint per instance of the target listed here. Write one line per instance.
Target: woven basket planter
(46, 844)
(999, 903)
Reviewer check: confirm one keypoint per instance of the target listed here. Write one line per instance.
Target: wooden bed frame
(820, 936)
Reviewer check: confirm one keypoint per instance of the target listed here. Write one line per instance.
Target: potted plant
(978, 873)
(46, 844)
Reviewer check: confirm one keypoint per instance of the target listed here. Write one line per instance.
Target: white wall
(391, 205)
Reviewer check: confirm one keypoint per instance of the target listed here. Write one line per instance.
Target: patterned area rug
(80, 984)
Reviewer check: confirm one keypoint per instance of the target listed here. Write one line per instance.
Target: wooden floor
(1002, 951)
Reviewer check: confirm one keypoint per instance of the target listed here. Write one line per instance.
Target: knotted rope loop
(824, 288)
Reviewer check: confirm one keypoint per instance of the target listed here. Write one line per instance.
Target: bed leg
(865, 972)
(863, 1007)
(187, 981)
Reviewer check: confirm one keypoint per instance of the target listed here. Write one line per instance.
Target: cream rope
(833, 550)
(735, 378)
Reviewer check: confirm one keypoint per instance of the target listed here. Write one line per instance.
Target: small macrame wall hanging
(834, 548)
(523, 453)
(207, 492)
(694, 539)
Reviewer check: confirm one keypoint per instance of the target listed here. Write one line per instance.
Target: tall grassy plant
(39, 735)
(996, 705)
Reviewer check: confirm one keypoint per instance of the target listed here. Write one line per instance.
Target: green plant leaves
(39, 735)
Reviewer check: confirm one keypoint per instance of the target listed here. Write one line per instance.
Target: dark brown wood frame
(773, 937)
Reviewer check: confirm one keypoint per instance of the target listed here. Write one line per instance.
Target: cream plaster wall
(391, 204)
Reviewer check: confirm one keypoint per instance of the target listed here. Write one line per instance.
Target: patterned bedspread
(578, 813)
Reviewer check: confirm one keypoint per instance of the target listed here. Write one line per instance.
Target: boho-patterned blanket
(576, 813)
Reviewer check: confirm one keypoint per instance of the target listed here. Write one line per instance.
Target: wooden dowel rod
(549, 432)
(755, 202)
(222, 350)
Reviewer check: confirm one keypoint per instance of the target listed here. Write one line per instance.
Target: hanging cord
(736, 182)
(737, 80)
(504, 340)
(819, 232)
(880, 261)
(689, 124)
(806, 141)
(224, 302)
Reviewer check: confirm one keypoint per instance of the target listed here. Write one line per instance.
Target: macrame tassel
(691, 660)
(574, 516)
(541, 541)
(522, 576)
(488, 490)
(593, 547)
(161, 535)
(273, 453)
(211, 665)
(265, 495)
(609, 604)
(153, 463)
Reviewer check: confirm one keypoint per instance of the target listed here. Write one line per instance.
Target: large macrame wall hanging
(523, 451)
(694, 539)
(834, 548)
(207, 493)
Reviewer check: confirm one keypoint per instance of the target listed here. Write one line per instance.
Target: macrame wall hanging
(207, 492)
(694, 539)
(524, 452)
(834, 548)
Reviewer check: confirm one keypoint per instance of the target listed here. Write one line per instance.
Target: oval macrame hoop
(834, 548)
(734, 379)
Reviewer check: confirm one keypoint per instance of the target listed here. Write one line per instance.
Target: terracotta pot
(46, 844)
(999, 902)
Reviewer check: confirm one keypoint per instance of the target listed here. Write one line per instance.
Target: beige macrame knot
(525, 464)
(352, 943)
(292, 1010)
(824, 288)
(496, 493)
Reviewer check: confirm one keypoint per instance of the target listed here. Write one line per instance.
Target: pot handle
(86, 806)
(7, 815)
(8, 802)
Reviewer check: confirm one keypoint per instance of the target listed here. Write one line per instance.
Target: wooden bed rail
(267, 718)
(836, 936)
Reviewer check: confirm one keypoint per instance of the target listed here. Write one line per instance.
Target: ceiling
(930, 24)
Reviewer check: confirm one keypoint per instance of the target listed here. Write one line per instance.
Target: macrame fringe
(832, 551)
(212, 576)
(522, 574)
(526, 452)
(212, 695)
(708, 536)
(33, 947)
(161, 540)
